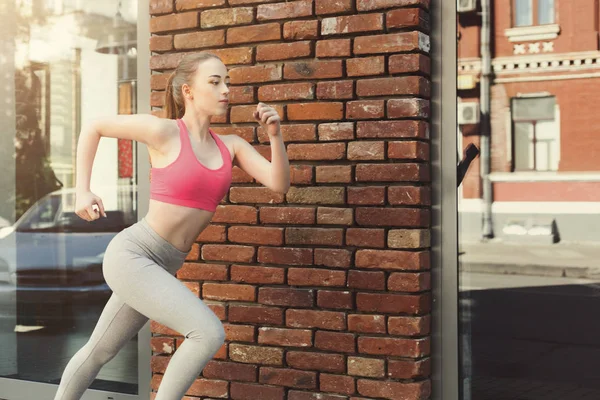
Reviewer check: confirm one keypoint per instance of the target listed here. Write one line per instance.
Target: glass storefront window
(62, 63)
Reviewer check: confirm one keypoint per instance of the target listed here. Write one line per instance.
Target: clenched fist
(268, 118)
(89, 206)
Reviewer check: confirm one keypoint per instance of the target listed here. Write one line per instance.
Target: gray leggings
(139, 266)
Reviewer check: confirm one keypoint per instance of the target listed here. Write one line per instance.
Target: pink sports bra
(186, 182)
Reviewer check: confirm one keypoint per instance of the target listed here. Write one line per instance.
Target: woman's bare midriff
(179, 225)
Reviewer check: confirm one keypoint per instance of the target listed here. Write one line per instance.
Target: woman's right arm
(143, 128)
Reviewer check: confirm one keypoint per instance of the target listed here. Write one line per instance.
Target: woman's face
(209, 90)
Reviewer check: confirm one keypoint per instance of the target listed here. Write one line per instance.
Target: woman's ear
(187, 91)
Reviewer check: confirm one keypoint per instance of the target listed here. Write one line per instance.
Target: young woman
(191, 173)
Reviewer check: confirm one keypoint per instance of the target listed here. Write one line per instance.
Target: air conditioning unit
(468, 113)
(466, 5)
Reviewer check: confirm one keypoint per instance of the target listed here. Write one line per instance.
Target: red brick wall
(324, 290)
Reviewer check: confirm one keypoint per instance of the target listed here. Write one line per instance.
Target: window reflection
(62, 62)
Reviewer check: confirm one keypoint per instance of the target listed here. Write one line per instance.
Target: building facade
(544, 126)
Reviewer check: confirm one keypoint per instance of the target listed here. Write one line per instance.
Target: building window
(536, 134)
(533, 12)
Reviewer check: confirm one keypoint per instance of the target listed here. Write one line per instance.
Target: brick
(330, 320)
(284, 92)
(161, 7)
(335, 341)
(242, 391)
(316, 361)
(314, 236)
(256, 74)
(334, 299)
(157, 99)
(255, 235)
(194, 253)
(393, 303)
(370, 280)
(221, 353)
(226, 17)
(194, 287)
(255, 314)
(231, 292)
(392, 259)
(335, 216)
(316, 277)
(409, 195)
(230, 371)
(392, 129)
(208, 388)
(236, 214)
(297, 395)
(159, 329)
(161, 43)
(219, 252)
(335, 90)
(287, 10)
(313, 70)
(212, 233)
(368, 196)
(165, 61)
(285, 255)
(287, 215)
(409, 63)
(158, 81)
(364, 237)
(394, 390)
(336, 131)
(219, 309)
(255, 354)
(253, 274)
(239, 176)
(337, 384)
(325, 7)
(335, 258)
(366, 323)
(245, 132)
(334, 174)
(366, 150)
(285, 337)
(365, 66)
(242, 2)
(254, 33)
(301, 30)
(409, 326)
(394, 86)
(365, 109)
(315, 152)
(316, 195)
(333, 48)
(409, 369)
(239, 333)
(286, 297)
(283, 51)
(370, 5)
(368, 367)
(409, 238)
(242, 95)
(397, 172)
(288, 378)
(174, 22)
(409, 282)
(394, 346)
(391, 43)
(409, 217)
(202, 272)
(184, 5)
(234, 55)
(349, 24)
(240, 114)
(293, 133)
(408, 108)
(408, 150)
(162, 345)
(254, 195)
(408, 18)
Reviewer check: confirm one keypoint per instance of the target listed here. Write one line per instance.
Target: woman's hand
(89, 206)
(268, 118)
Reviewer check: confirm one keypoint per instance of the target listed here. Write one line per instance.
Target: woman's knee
(208, 332)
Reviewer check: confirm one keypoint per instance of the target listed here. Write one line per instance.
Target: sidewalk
(568, 260)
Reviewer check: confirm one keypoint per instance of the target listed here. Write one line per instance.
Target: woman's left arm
(275, 174)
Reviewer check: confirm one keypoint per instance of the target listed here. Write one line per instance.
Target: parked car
(52, 259)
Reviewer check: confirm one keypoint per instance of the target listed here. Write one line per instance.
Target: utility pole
(485, 125)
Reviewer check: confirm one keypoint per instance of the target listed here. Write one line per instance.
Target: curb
(530, 270)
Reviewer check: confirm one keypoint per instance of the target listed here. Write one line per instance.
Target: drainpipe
(485, 126)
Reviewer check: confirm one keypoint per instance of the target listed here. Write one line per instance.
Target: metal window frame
(13, 389)
(444, 228)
